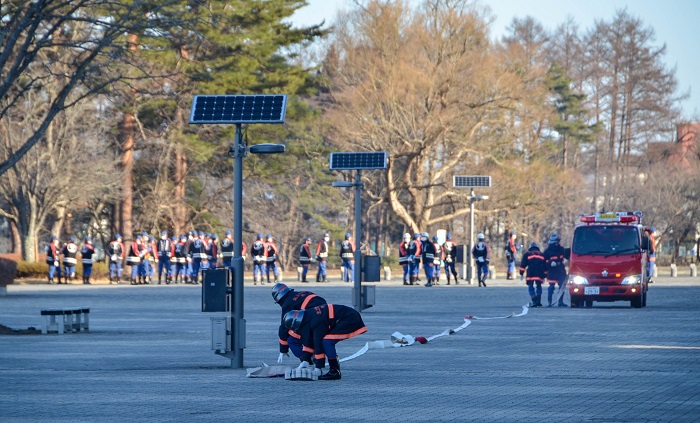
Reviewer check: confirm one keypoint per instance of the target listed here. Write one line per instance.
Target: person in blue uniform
(555, 269)
(86, 252)
(534, 264)
(259, 252)
(305, 258)
(289, 299)
(322, 257)
(347, 255)
(320, 329)
(482, 258)
(450, 249)
(52, 259)
(69, 252)
(428, 258)
(414, 255)
(404, 258)
(116, 253)
(164, 254)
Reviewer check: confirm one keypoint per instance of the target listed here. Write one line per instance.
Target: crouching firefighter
(320, 329)
(289, 300)
(533, 262)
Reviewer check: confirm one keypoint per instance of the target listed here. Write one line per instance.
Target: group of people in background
(67, 255)
(419, 249)
(346, 252)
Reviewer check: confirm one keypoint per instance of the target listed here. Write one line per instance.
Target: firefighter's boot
(334, 372)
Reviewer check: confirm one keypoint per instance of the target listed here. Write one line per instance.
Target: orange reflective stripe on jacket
(319, 356)
(283, 342)
(331, 311)
(306, 301)
(307, 349)
(294, 334)
(341, 336)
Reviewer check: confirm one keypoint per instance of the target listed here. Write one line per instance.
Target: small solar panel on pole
(471, 182)
(239, 110)
(358, 161)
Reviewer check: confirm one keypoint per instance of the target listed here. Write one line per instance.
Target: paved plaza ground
(147, 357)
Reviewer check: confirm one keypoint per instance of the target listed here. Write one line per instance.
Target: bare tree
(71, 44)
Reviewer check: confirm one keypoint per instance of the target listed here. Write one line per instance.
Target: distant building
(683, 152)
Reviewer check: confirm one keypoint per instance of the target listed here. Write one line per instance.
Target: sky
(675, 22)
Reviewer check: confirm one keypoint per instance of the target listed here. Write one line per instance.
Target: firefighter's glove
(280, 359)
(303, 365)
(480, 259)
(554, 264)
(521, 277)
(55, 264)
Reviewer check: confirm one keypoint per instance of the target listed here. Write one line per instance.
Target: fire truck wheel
(636, 303)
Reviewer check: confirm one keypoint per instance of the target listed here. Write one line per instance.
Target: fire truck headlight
(578, 280)
(632, 280)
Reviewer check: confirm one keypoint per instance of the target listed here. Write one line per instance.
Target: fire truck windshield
(605, 240)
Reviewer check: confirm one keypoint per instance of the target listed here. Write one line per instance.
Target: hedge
(40, 270)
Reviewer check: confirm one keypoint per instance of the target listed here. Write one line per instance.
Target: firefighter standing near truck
(555, 269)
(652, 255)
(533, 262)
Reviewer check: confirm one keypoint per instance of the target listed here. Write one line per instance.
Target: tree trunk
(16, 238)
(179, 200)
(127, 143)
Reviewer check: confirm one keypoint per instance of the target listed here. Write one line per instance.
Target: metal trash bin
(371, 267)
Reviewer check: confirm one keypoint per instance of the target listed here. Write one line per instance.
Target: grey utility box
(216, 287)
(221, 334)
(372, 268)
(367, 296)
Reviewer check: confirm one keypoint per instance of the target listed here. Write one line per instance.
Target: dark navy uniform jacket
(295, 300)
(555, 254)
(332, 322)
(533, 261)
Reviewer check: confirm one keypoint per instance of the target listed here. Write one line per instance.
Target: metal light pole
(358, 234)
(472, 199)
(237, 320)
(470, 264)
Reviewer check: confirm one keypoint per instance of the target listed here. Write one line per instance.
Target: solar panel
(472, 181)
(358, 161)
(263, 108)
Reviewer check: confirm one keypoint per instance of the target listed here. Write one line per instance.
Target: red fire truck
(609, 260)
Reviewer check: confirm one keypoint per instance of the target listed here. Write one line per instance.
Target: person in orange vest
(322, 257)
(652, 254)
(511, 249)
(404, 257)
(347, 255)
(52, 259)
(272, 257)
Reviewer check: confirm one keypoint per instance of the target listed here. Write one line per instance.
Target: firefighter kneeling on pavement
(289, 300)
(320, 328)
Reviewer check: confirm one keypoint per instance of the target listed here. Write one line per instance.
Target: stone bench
(62, 320)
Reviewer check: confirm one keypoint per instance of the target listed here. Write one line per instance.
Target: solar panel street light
(471, 182)
(239, 110)
(358, 161)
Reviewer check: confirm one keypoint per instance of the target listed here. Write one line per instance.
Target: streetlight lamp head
(342, 184)
(267, 148)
